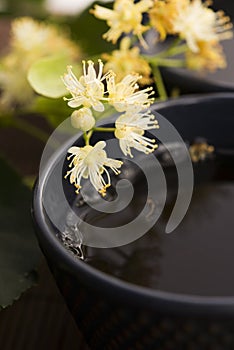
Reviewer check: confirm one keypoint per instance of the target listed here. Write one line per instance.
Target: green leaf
(54, 110)
(45, 76)
(19, 252)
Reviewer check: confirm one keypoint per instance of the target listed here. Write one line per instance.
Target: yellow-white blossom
(210, 57)
(83, 119)
(88, 91)
(126, 95)
(128, 60)
(125, 17)
(199, 151)
(196, 22)
(163, 14)
(91, 162)
(130, 129)
(29, 41)
(38, 39)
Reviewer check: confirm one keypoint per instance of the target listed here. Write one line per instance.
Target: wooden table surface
(40, 320)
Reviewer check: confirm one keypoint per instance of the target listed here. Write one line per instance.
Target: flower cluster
(196, 23)
(127, 60)
(192, 21)
(91, 92)
(30, 40)
(200, 27)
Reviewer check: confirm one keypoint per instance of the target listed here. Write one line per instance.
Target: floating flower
(91, 162)
(83, 119)
(88, 90)
(126, 95)
(201, 150)
(210, 57)
(126, 17)
(130, 129)
(127, 61)
(196, 22)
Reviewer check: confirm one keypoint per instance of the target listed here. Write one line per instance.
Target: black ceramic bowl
(114, 314)
(189, 81)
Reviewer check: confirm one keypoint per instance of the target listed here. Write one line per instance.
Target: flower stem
(176, 50)
(32, 130)
(87, 136)
(170, 63)
(173, 50)
(159, 83)
(166, 62)
(104, 129)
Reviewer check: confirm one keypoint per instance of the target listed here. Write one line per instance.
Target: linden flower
(125, 94)
(88, 90)
(130, 129)
(162, 15)
(91, 162)
(196, 22)
(39, 39)
(125, 17)
(83, 119)
(210, 57)
(30, 40)
(199, 151)
(126, 61)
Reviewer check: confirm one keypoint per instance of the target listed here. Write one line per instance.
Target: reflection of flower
(125, 17)
(125, 94)
(91, 162)
(127, 61)
(30, 41)
(88, 90)
(130, 129)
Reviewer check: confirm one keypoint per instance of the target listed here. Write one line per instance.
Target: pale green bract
(45, 76)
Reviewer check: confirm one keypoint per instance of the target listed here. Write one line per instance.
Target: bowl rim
(116, 289)
(205, 82)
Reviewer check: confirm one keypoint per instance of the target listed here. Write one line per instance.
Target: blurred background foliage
(20, 151)
(85, 28)
(18, 8)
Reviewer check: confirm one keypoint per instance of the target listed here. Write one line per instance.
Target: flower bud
(83, 119)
